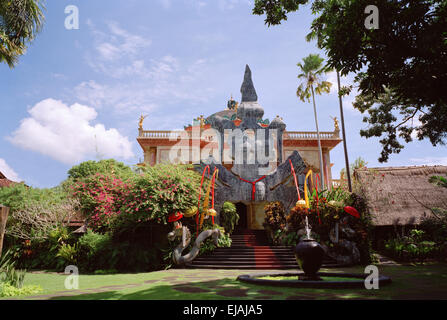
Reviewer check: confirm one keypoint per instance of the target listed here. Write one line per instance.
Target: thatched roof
(5, 182)
(402, 195)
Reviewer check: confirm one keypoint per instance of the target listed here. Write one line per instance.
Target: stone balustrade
(169, 134)
(288, 135)
(310, 135)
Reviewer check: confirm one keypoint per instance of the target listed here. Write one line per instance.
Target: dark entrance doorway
(242, 212)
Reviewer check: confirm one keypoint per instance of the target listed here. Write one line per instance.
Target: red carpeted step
(249, 250)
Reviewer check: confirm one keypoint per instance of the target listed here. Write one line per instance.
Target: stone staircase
(249, 250)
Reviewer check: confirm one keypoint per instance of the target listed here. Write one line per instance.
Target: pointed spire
(247, 89)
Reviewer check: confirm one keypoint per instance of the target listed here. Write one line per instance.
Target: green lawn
(428, 281)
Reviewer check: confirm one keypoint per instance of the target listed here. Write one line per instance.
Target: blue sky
(77, 94)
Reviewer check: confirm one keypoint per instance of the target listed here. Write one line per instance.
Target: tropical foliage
(112, 202)
(20, 21)
(11, 279)
(105, 167)
(35, 213)
(312, 69)
(399, 66)
(126, 213)
(327, 211)
(412, 247)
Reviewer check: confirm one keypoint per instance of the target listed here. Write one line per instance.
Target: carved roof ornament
(247, 89)
(232, 104)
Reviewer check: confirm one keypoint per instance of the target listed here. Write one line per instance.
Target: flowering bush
(101, 198)
(112, 202)
(274, 220)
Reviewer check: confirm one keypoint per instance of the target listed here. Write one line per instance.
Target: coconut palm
(312, 69)
(20, 21)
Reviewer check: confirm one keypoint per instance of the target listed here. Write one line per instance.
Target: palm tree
(312, 69)
(20, 21)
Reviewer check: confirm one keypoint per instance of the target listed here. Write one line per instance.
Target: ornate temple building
(207, 137)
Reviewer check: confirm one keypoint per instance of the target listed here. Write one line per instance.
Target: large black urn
(309, 254)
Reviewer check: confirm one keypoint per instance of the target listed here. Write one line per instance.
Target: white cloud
(8, 172)
(119, 43)
(115, 51)
(165, 81)
(133, 81)
(430, 161)
(65, 133)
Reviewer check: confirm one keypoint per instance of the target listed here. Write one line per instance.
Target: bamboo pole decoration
(306, 190)
(206, 202)
(200, 193)
(4, 211)
(213, 181)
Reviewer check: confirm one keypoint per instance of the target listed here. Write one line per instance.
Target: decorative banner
(294, 177)
(200, 191)
(213, 181)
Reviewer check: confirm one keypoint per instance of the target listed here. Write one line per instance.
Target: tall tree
(407, 55)
(311, 70)
(20, 21)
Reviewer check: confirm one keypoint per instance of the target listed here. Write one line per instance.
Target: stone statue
(201, 120)
(140, 124)
(336, 124)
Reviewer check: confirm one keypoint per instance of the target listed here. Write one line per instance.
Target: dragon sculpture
(185, 235)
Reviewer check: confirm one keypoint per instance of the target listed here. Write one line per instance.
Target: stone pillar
(3, 218)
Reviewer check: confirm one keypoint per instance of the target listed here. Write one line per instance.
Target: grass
(428, 281)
